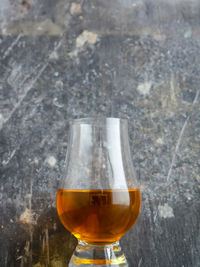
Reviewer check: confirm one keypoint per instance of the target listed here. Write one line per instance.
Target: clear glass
(99, 198)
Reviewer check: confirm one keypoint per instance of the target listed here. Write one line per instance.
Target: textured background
(139, 59)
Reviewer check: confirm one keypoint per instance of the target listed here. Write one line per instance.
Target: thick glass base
(93, 255)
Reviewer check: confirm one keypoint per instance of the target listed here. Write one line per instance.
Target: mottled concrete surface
(135, 59)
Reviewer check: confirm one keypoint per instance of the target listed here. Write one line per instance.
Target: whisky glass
(99, 198)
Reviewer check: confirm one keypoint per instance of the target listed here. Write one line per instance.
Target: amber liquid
(98, 216)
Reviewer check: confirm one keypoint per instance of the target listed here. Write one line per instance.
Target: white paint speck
(54, 55)
(160, 141)
(165, 211)
(144, 88)
(39, 28)
(28, 217)
(188, 196)
(86, 37)
(36, 161)
(59, 85)
(1, 120)
(51, 160)
(75, 9)
(188, 34)
(56, 74)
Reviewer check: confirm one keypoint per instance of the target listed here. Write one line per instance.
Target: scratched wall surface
(134, 59)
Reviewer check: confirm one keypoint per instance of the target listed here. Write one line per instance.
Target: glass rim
(97, 119)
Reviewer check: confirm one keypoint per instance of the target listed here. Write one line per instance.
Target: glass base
(93, 255)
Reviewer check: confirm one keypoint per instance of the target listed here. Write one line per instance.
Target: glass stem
(98, 255)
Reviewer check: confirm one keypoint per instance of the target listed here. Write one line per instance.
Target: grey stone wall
(134, 59)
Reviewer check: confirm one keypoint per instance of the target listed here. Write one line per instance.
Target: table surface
(134, 59)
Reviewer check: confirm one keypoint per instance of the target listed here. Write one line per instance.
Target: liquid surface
(98, 216)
